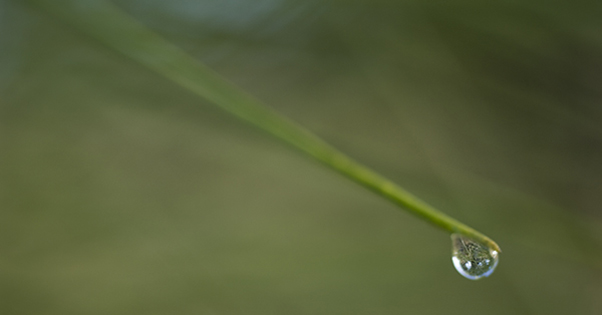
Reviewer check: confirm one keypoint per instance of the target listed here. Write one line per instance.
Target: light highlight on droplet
(472, 259)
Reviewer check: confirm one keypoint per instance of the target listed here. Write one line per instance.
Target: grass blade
(108, 24)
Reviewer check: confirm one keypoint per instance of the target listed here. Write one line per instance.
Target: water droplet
(472, 259)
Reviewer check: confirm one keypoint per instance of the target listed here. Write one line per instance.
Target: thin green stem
(116, 29)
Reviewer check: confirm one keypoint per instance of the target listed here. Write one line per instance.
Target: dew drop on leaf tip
(472, 259)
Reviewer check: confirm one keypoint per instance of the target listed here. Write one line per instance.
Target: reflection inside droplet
(472, 259)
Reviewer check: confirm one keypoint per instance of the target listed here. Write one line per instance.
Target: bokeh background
(123, 193)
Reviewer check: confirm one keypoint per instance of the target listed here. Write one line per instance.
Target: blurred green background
(122, 193)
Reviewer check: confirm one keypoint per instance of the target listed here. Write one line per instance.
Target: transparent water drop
(472, 259)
